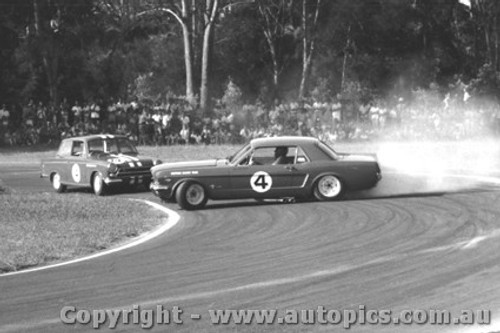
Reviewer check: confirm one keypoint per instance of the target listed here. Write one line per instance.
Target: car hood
(190, 165)
(122, 158)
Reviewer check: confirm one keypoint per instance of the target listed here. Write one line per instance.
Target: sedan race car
(278, 167)
(97, 161)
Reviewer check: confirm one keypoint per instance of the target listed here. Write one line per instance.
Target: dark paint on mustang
(97, 161)
(277, 167)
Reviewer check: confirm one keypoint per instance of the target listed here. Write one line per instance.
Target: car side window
(273, 155)
(301, 156)
(77, 148)
(64, 149)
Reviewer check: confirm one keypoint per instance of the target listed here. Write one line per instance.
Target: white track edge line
(172, 220)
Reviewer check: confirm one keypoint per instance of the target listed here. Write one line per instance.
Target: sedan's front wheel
(328, 187)
(191, 195)
(98, 184)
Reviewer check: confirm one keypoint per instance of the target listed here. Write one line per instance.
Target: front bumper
(158, 187)
(129, 180)
(160, 190)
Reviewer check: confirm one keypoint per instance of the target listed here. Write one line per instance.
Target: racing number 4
(261, 181)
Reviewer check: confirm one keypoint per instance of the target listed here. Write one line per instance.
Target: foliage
(99, 49)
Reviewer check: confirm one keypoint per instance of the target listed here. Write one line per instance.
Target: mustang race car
(97, 161)
(278, 167)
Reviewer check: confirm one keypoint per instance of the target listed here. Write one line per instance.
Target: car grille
(139, 171)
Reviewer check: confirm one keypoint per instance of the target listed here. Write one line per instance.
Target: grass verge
(32, 155)
(165, 153)
(40, 228)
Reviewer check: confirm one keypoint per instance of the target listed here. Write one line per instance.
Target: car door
(60, 163)
(76, 169)
(257, 177)
(301, 169)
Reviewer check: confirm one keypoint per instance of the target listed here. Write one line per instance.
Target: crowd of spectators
(176, 122)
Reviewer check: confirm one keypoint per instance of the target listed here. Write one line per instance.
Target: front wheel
(56, 183)
(98, 184)
(191, 195)
(328, 187)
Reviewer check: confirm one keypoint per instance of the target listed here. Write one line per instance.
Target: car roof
(95, 136)
(283, 141)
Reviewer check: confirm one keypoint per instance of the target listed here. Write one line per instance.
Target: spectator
(4, 116)
(77, 112)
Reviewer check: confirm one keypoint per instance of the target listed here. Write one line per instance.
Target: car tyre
(98, 185)
(328, 188)
(191, 195)
(56, 183)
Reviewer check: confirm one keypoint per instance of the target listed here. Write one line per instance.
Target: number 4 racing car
(278, 167)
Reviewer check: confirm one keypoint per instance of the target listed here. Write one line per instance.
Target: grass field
(33, 155)
(37, 229)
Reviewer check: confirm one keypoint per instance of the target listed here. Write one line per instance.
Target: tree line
(272, 50)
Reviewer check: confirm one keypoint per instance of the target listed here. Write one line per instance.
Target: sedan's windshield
(112, 146)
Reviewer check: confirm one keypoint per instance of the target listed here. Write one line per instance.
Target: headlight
(156, 162)
(112, 168)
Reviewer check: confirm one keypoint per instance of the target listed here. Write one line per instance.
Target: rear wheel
(56, 183)
(191, 195)
(98, 184)
(328, 187)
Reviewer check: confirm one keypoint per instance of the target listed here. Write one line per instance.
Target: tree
(184, 12)
(277, 25)
(210, 15)
(308, 42)
(486, 14)
(48, 42)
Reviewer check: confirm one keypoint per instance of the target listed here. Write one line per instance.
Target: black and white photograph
(250, 166)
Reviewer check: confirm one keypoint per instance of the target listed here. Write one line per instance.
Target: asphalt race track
(404, 245)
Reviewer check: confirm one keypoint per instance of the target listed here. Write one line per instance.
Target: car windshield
(236, 156)
(112, 146)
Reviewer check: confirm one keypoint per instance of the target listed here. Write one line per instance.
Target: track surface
(396, 247)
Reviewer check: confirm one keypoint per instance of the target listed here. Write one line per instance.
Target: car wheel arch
(191, 179)
(328, 173)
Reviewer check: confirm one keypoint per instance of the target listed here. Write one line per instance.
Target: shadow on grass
(115, 190)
